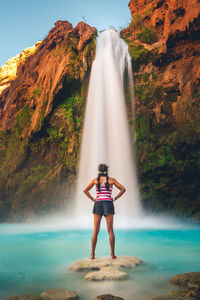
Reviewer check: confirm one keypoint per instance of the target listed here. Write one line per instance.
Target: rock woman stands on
(103, 205)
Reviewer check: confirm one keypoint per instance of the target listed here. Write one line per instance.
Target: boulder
(191, 283)
(190, 280)
(24, 297)
(59, 294)
(106, 268)
(108, 297)
(175, 295)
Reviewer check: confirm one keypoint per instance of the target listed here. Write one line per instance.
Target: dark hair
(103, 171)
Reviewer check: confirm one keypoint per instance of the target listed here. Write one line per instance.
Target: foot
(92, 256)
(113, 256)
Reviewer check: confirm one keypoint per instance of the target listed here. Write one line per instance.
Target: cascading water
(106, 134)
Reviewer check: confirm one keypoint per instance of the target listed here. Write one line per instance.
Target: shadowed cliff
(164, 42)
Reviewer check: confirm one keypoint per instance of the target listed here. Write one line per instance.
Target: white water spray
(106, 133)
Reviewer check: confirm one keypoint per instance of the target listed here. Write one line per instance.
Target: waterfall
(106, 136)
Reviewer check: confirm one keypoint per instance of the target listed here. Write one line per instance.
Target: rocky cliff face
(8, 71)
(41, 114)
(164, 42)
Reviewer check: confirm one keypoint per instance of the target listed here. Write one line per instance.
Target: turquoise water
(31, 263)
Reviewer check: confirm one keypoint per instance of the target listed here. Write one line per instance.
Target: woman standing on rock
(103, 205)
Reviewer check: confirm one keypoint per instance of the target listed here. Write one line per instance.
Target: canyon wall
(42, 101)
(164, 43)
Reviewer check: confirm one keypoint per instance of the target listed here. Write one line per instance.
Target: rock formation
(163, 39)
(191, 287)
(41, 76)
(41, 114)
(108, 297)
(106, 268)
(24, 297)
(59, 294)
(8, 71)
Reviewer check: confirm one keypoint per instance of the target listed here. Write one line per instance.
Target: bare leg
(109, 222)
(97, 222)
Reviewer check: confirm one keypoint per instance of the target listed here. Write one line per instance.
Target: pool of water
(33, 262)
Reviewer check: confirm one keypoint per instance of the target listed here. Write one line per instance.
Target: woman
(103, 205)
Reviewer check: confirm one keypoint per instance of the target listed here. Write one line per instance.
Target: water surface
(33, 262)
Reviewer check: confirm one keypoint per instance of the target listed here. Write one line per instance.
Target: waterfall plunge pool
(33, 262)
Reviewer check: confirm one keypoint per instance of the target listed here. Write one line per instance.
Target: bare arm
(88, 187)
(120, 187)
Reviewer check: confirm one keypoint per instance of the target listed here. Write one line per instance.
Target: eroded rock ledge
(105, 268)
(190, 282)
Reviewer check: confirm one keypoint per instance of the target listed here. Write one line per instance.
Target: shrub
(147, 35)
(136, 21)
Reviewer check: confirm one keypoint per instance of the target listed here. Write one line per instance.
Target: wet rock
(190, 280)
(175, 295)
(98, 263)
(106, 268)
(106, 273)
(108, 297)
(59, 294)
(24, 297)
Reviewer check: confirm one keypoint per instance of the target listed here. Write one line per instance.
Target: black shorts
(104, 207)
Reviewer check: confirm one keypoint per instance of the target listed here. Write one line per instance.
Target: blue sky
(24, 22)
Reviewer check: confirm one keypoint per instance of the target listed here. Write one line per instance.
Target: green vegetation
(147, 35)
(36, 93)
(16, 147)
(141, 55)
(148, 93)
(168, 157)
(169, 170)
(136, 21)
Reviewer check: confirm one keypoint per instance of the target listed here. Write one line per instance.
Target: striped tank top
(104, 194)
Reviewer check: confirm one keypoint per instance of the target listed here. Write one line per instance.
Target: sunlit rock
(8, 71)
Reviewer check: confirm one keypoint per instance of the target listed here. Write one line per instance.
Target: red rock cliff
(41, 117)
(171, 18)
(40, 77)
(164, 43)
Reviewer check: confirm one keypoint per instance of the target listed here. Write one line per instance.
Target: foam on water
(61, 222)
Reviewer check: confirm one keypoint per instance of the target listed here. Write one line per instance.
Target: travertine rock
(108, 297)
(59, 294)
(190, 281)
(106, 268)
(24, 297)
(106, 273)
